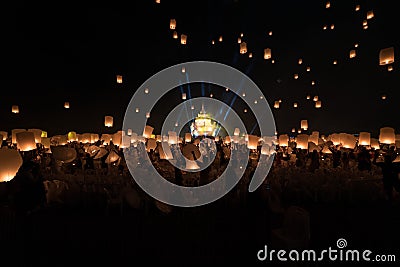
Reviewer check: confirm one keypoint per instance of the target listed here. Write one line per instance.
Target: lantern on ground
(364, 139)
(387, 135)
(108, 121)
(386, 56)
(26, 141)
(10, 162)
(374, 143)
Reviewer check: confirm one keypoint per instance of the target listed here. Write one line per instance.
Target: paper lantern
(315, 99)
(119, 78)
(250, 55)
(66, 104)
(296, 76)
(314, 137)
(117, 138)
(370, 14)
(4, 134)
(147, 131)
(10, 162)
(302, 141)
(276, 104)
(37, 134)
(386, 56)
(325, 27)
(332, 26)
(172, 138)
(188, 138)
(267, 53)
(270, 33)
(357, 7)
(94, 138)
(304, 124)
(26, 141)
(72, 136)
(227, 139)
(172, 24)
(175, 35)
(283, 140)
(158, 138)
(293, 130)
(364, 139)
(183, 39)
(220, 38)
(328, 4)
(183, 96)
(243, 48)
(352, 53)
(151, 144)
(295, 105)
(347, 140)
(252, 143)
(236, 132)
(15, 109)
(387, 135)
(14, 134)
(44, 134)
(147, 115)
(158, 1)
(300, 61)
(45, 142)
(112, 157)
(334, 62)
(106, 138)
(312, 82)
(334, 138)
(164, 151)
(212, 42)
(308, 97)
(318, 104)
(308, 69)
(390, 68)
(108, 121)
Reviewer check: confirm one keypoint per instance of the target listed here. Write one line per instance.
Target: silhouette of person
(390, 178)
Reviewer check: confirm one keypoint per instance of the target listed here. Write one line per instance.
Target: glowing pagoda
(204, 125)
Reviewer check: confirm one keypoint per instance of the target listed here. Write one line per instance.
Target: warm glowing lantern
(4, 134)
(112, 157)
(252, 142)
(11, 161)
(335, 139)
(270, 33)
(293, 130)
(357, 7)
(175, 35)
(147, 132)
(236, 132)
(328, 4)
(243, 48)
(375, 143)
(302, 141)
(315, 99)
(158, 1)
(325, 27)
(334, 62)
(239, 40)
(314, 137)
(108, 121)
(147, 115)
(283, 140)
(352, 53)
(332, 26)
(347, 140)
(312, 82)
(390, 68)
(183, 96)
(267, 53)
(15, 109)
(164, 151)
(45, 142)
(386, 56)
(188, 138)
(14, 134)
(151, 144)
(37, 134)
(364, 139)
(117, 138)
(308, 97)
(72, 136)
(227, 139)
(308, 69)
(295, 104)
(383, 97)
(183, 39)
(276, 104)
(370, 14)
(26, 141)
(172, 138)
(119, 78)
(172, 24)
(106, 138)
(304, 125)
(220, 38)
(66, 104)
(365, 23)
(387, 135)
(94, 138)
(326, 150)
(250, 55)
(318, 104)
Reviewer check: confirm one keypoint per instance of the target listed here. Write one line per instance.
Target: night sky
(56, 52)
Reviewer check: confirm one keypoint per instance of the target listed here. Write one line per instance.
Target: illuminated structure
(204, 125)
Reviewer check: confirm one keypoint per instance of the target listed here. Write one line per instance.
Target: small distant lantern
(387, 135)
(296, 76)
(119, 78)
(267, 53)
(172, 24)
(272, 61)
(15, 109)
(386, 56)
(129, 132)
(66, 104)
(243, 48)
(370, 14)
(270, 33)
(356, 45)
(299, 131)
(390, 68)
(147, 115)
(364, 139)
(183, 39)
(239, 40)
(304, 125)
(325, 27)
(293, 130)
(312, 82)
(212, 42)
(295, 104)
(308, 69)
(352, 53)
(245, 110)
(332, 26)
(175, 35)
(137, 110)
(158, 1)
(365, 23)
(334, 62)
(276, 104)
(308, 97)
(183, 96)
(315, 98)
(357, 7)
(300, 61)
(183, 69)
(108, 121)
(250, 55)
(328, 4)
(383, 97)
(318, 104)
(220, 38)
(236, 132)
(365, 27)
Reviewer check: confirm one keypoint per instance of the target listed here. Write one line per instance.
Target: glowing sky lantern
(283, 140)
(295, 105)
(364, 139)
(188, 137)
(66, 104)
(37, 134)
(220, 39)
(119, 78)
(302, 141)
(328, 4)
(26, 141)
(14, 134)
(108, 121)
(352, 53)
(106, 138)
(243, 48)
(45, 142)
(112, 157)
(386, 56)
(334, 62)
(15, 109)
(293, 130)
(318, 104)
(374, 143)
(147, 131)
(172, 138)
(300, 61)
(308, 69)
(183, 39)
(72, 136)
(212, 42)
(158, 1)
(390, 68)
(357, 7)
(147, 115)
(151, 144)
(175, 35)
(325, 27)
(314, 137)
(276, 104)
(370, 14)
(164, 151)
(383, 97)
(270, 33)
(11, 161)
(4, 134)
(332, 26)
(252, 143)
(267, 53)
(308, 97)
(387, 135)
(312, 82)
(236, 132)
(117, 138)
(304, 125)
(295, 76)
(315, 99)
(183, 96)
(172, 24)
(239, 40)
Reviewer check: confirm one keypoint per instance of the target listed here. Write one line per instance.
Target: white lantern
(304, 125)
(15, 109)
(283, 140)
(386, 56)
(236, 132)
(364, 139)
(352, 53)
(94, 138)
(38, 135)
(172, 24)
(183, 96)
(108, 121)
(183, 39)
(302, 141)
(387, 135)
(14, 134)
(172, 138)
(147, 132)
(188, 138)
(267, 53)
(26, 141)
(252, 142)
(10, 162)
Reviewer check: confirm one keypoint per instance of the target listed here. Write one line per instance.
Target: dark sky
(56, 52)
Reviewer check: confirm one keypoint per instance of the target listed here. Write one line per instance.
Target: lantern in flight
(66, 104)
(370, 14)
(304, 124)
(11, 161)
(119, 78)
(243, 48)
(172, 24)
(387, 135)
(183, 39)
(352, 53)
(108, 121)
(386, 56)
(15, 109)
(267, 53)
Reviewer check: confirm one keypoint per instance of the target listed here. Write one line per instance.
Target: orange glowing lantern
(172, 138)
(308, 69)
(302, 141)
(283, 140)
(108, 121)
(364, 139)
(352, 53)
(26, 141)
(386, 56)
(66, 104)
(295, 76)
(328, 4)
(188, 138)
(119, 78)
(252, 142)
(267, 53)
(15, 109)
(11, 161)
(390, 68)
(318, 104)
(304, 125)
(370, 14)
(37, 134)
(314, 137)
(164, 151)
(357, 7)
(183, 39)
(220, 38)
(172, 24)
(4, 134)
(239, 40)
(175, 35)
(295, 105)
(387, 135)
(243, 48)
(147, 132)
